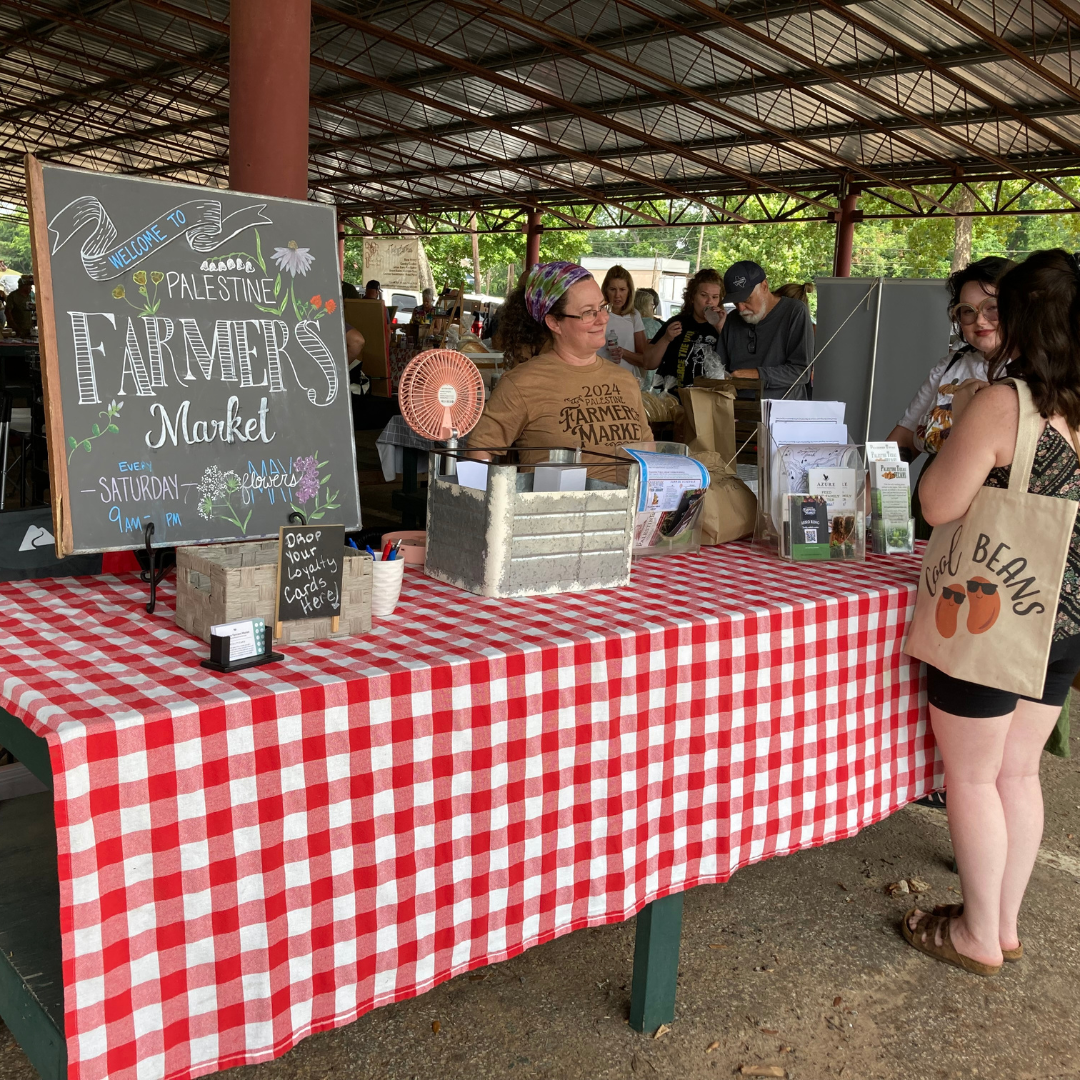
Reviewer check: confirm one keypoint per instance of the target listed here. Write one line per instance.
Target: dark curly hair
(519, 335)
(708, 276)
(986, 272)
(1039, 313)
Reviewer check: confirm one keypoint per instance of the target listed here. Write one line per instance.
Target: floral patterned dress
(1056, 472)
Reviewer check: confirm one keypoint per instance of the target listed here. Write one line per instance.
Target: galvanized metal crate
(512, 541)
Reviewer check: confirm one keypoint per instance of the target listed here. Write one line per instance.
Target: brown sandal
(954, 911)
(929, 924)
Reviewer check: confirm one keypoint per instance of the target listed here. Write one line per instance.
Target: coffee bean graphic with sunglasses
(984, 605)
(948, 608)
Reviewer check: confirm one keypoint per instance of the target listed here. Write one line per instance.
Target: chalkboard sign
(311, 561)
(194, 361)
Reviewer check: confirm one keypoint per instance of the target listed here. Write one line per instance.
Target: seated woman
(625, 334)
(558, 392)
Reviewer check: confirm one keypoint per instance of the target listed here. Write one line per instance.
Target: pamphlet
(809, 528)
(837, 488)
(671, 498)
(882, 451)
(892, 527)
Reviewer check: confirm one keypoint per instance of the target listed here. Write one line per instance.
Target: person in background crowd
(794, 291)
(925, 425)
(625, 337)
(349, 292)
(992, 741)
(558, 392)
(372, 290)
(3, 313)
(768, 337)
(647, 303)
(17, 308)
(687, 342)
(426, 309)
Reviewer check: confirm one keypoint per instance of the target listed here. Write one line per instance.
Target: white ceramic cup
(386, 586)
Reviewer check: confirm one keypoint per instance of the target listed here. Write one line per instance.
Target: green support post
(656, 963)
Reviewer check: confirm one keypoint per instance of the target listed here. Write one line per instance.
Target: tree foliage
(15, 242)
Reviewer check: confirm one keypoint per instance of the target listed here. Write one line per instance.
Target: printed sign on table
(195, 369)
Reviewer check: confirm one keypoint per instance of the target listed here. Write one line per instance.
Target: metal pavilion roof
(597, 111)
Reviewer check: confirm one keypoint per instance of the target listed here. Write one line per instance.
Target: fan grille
(440, 392)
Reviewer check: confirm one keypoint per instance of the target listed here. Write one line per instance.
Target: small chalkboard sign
(311, 560)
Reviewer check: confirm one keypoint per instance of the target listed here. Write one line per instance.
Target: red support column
(269, 90)
(846, 219)
(532, 238)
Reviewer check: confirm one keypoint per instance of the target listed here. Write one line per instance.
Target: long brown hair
(619, 273)
(519, 335)
(1039, 312)
(708, 276)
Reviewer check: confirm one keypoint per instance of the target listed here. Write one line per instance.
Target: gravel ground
(796, 963)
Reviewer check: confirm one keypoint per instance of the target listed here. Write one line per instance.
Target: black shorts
(970, 699)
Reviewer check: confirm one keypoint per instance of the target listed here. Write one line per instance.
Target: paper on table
(246, 637)
(560, 479)
(472, 474)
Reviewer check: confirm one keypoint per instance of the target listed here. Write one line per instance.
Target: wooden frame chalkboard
(311, 565)
(194, 363)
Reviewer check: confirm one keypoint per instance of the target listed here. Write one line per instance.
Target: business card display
(808, 517)
(247, 637)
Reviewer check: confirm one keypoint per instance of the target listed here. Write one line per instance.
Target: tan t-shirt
(548, 402)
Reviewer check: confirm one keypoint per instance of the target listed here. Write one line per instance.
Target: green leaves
(95, 431)
(259, 256)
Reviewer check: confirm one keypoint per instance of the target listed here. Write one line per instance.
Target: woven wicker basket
(224, 582)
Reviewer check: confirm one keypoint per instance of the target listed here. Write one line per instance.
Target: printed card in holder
(247, 637)
(809, 522)
(837, 486)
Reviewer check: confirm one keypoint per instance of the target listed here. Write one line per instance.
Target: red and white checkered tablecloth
(246, 859)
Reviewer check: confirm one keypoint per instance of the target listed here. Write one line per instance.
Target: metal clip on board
(153, 575)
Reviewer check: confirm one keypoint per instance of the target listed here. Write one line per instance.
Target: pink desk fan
(441, 395)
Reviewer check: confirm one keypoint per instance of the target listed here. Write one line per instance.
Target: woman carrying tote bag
(998, 611)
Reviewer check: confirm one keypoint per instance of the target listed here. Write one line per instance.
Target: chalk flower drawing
(150, 304)
(310, 487)
(216, 490)
(110, 414)
(293, 259)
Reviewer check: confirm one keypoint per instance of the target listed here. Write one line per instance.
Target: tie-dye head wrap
(545, 283)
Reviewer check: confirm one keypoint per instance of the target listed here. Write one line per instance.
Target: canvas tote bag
(989, 585)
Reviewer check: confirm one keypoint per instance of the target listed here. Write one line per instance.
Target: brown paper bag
(709, 421)
(988, 591)
(730, 509)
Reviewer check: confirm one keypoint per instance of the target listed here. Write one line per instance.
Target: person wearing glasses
(558, 392)
(772, 340)
(973, 308)
(992, 741)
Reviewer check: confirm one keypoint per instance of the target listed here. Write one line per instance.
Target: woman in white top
(625, 330)
(973, 307)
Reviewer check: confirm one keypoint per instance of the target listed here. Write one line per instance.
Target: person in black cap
(372, 290)
(767, 337)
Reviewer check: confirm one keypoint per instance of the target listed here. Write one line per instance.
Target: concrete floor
(795, 963)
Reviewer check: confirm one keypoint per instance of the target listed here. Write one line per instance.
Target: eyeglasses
(967, 315)
(589, 315)
(988, 587)
(956, 595)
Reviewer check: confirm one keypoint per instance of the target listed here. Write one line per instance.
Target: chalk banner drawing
(200, 355)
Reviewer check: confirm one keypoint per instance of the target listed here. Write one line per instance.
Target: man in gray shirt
(771, 338)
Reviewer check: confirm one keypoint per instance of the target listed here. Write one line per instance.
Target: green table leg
(656, 963)
(30, 749)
